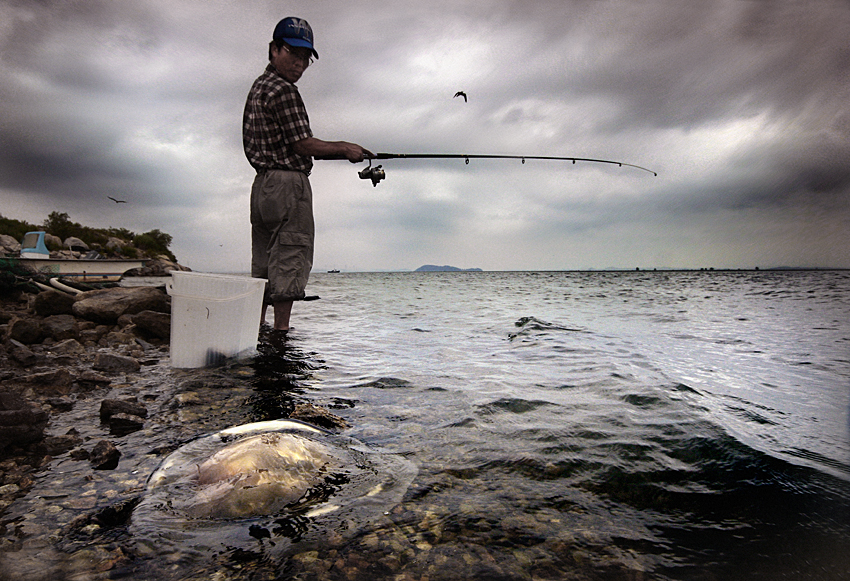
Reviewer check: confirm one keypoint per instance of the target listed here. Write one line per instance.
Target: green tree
(15, 228)
(154, 243)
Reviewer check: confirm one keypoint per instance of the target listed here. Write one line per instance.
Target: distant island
(445, 268)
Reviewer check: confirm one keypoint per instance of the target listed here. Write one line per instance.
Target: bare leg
(282, 311)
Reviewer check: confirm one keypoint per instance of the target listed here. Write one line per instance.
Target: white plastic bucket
(213, 317)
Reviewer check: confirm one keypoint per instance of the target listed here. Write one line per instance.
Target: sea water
(563, 425)
(686, 425)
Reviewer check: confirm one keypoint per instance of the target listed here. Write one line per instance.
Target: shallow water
(657, 425)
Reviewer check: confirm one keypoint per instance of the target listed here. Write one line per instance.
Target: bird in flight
(117, 201)
(461, 94)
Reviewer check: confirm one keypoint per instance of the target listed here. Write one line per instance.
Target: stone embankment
(56, 346)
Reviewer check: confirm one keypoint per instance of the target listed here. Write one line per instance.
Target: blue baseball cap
(295, 32)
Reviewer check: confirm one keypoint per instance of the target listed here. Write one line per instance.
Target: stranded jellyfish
(278, 482)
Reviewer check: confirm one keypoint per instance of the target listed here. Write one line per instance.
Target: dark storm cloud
(739, 105)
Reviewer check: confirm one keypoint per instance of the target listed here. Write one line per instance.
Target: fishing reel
(375, 174)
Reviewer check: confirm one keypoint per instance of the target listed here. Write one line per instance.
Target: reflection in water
(280, 371)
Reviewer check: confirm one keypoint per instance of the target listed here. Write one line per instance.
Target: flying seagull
(117, 201)
(461, 94)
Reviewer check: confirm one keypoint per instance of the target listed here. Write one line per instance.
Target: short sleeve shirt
(274, 119)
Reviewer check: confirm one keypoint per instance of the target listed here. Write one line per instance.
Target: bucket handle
(169, 288)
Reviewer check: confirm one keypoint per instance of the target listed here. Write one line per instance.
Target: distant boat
(333, 270)
(92, 268)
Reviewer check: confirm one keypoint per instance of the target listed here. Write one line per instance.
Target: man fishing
(279, 144)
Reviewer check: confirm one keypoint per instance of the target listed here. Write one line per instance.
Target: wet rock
(21, 421)
(104, 456)
(79, 454)
(307, 412)
(110, 362)
(62, 404)
(25, 330)
(153, 323)
(89, 378)
(55, 445)
(111, 407)
(22, 354)
(68, 347)
(123, 424)
(107, 305)
(56, 382)
(60, 327)
(52, 302)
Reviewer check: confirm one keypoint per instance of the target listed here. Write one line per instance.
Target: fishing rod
(376, 174)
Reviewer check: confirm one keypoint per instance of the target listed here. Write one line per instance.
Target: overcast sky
(740, 106)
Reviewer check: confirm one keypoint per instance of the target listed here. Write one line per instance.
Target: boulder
(21, 421)
(60, 327)
(53, 302)
(25, 330)
(75, 243)
(8, 245)
(115, 243)
(106, 305)
(153, 323)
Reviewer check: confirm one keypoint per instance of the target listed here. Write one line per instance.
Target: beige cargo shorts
(282, 233)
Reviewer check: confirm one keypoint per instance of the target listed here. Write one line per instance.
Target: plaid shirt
(274, 119)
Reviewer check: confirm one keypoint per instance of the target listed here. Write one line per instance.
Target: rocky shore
(55, 347)
(85, 383)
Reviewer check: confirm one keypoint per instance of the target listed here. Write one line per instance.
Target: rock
(21, 421)
(307, 412)
(79, 454)
(58, 381)
(26, 331)
(104, 455)
(93, 336)
(123, 424)
(114, 243)
(68, 347)
(52, 302)
(75, 243)
(21, 353)
(153, 323)
(159, 266)
(62, 404)
(90, 378)
(60, 327)
(55, 445)
(116, 338)
(111, 407)
(8, 245)
(113, 363)
(106, 305)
